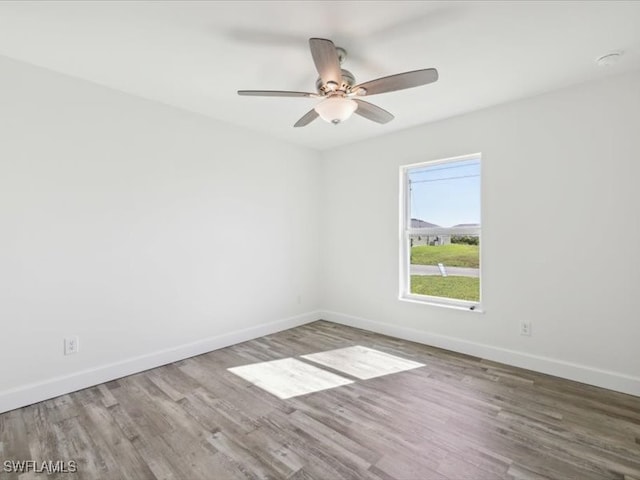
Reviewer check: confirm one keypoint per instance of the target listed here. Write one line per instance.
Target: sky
(446, 194)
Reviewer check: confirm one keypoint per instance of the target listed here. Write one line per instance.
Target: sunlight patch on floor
(362, 362)
(289, 377)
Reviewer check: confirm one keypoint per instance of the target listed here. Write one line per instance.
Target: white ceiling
(195, 55)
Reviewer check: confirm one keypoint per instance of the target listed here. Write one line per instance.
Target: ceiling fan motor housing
(348, 81)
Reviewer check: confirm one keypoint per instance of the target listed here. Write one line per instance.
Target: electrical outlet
(525, 328)
(71, 345)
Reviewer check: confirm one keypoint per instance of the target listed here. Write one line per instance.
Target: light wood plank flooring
(456, 418)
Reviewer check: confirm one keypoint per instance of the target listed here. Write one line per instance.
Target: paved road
(434, 270)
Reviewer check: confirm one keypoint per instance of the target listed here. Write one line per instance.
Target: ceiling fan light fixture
(336, 109)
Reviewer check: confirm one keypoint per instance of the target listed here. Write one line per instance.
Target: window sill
(434, 303)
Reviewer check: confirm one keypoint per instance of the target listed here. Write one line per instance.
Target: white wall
(560, 233)
(150, 232)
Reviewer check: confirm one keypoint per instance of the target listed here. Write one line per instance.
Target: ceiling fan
(338, 89)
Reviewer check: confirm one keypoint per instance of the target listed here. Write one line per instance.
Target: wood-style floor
(456, 418)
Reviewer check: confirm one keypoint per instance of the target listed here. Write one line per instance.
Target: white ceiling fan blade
(372, 112)
(326, 59)
(274, 93)
(399, 81)
(307, 118)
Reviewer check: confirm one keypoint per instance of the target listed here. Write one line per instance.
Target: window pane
(445, 195)
(445, 266)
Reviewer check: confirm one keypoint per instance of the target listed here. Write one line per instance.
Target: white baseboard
(559, 368)
(37, 392)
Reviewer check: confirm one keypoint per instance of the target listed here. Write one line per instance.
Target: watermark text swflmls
(48, 466)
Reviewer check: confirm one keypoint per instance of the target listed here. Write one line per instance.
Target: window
(440, 246)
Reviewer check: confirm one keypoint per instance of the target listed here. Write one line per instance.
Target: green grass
(453, 255)
(462, 288)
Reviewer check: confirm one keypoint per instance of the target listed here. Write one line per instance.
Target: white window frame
(406, 231)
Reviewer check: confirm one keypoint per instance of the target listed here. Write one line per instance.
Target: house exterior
(427, 239)
(439, 239)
